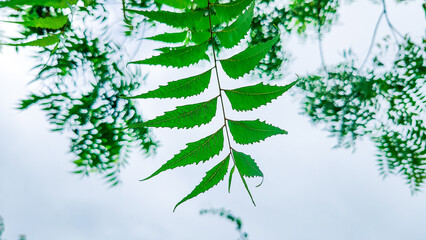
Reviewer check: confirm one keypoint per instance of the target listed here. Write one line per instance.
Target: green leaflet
(182, 88)
(48, 22)
(232, 35)
(195, 152)
(198, 37)
(246, 165)
(212, 178)
(251, 97)
(228, 11)
(170, 37)
(42, 42)
(247, 132)
(181, 57)
(244, 62)
(178, 20)
(180, 4)
(45, 3)
(230, 178)
(187, 116)
(203, 3)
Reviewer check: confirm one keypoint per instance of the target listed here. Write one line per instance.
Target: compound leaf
(195, 152)
(186, 116)
(182, 88)
(251, 97)
(244, 62)
(247, 132)
(179, 57)
(228, 11)
(212, 178)
(233, 34)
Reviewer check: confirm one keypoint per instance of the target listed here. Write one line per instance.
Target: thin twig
(373, 39)
(394, 31)
(321, 52)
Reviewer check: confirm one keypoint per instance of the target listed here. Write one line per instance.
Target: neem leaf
(228, 11)
(42, 42)
(246, 165)
(178, 20)
(233, 34)
(45, 3)
(247, 132)
(187, 116)
(212, 178)
(182, 88)
(247, 60)
(48, 22)
(170, 37)
(195, 152)
(181, 57)
(180, 4)
(251, 97)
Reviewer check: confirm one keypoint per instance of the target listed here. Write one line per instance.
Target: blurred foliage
(81, 82)
(2, 228)
(386, 103)
(229, 216)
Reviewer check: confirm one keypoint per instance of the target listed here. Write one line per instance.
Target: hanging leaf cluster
(387, 104)
(205, 28)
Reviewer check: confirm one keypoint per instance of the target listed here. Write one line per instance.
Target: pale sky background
(310, 192)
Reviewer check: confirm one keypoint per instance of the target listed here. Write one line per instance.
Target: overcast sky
(311, 191)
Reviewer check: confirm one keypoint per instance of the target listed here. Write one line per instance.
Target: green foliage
(222, 34)
(388, 104)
